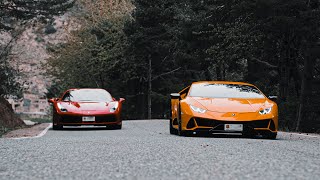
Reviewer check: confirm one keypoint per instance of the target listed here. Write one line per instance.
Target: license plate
(88, 118)
(233, 127)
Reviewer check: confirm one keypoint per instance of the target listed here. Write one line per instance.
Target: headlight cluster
(265, 111)
(114, 107)
(197, 109)
(62, 109)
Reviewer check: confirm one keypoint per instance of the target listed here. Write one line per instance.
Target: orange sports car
(78, 107)
(223, 107)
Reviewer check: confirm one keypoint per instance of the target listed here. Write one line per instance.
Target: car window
(87, 95)
(225, 91)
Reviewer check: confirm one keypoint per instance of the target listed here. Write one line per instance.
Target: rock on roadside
(8, 119)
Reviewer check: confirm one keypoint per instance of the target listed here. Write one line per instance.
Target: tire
(172, 129)
(57, 127)
(180, 131)
(270, 135)
(54, 119)
(118, 126)
(113, 127)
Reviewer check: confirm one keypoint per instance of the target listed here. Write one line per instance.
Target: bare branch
(165, 73)
(265, 63)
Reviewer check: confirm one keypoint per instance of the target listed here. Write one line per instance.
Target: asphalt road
(146, 150)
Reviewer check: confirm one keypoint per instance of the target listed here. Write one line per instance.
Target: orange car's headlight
(197, 109)
(265, 111)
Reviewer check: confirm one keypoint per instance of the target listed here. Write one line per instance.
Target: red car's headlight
(114, 106)
(61, 108)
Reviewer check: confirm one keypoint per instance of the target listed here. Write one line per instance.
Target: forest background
(143, 50)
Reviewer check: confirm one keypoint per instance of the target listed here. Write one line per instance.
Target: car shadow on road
(228, 136)
(79, 128)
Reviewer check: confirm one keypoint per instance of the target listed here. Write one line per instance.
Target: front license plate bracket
(233, 127)
(88, 118)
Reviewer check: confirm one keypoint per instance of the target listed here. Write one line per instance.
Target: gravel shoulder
(31, 131)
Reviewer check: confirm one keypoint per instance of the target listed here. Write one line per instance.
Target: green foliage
(93, 58)
(3, 130)
(8, 85)
(8, 75)
(41, 120)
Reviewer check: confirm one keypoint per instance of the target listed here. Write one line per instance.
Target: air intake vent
(191, 124)
(272, 127)
(175, 122)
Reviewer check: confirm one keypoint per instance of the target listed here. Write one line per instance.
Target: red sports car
(78, 107)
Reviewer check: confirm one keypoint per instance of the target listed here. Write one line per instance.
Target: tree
(8, 76)
(154, 51)
(21, 10)
(93, 56)
(13, 14)
(165, 45)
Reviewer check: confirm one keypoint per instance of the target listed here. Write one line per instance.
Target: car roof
(222, 82)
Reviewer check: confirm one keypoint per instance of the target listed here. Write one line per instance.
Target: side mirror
(52, 100)
(175, 96)
(273, 98)
(121, 100)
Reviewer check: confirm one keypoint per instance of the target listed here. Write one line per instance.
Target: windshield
(225, 91)
(87, 95)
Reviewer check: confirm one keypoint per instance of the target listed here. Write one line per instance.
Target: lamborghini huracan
(78, 107)
(220, 107)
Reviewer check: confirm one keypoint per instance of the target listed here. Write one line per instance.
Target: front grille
(71, 119)
(206, 122)
(259, 124)
(218, 124)
(108, 118)
(78, 119)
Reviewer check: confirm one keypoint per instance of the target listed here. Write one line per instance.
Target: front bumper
(217, 126)
(76, 120)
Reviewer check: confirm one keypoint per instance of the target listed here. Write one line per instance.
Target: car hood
(231, 104)
(85, 106)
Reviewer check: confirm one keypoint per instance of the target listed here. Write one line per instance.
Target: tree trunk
(218, 71)
(149, 89)
(208, 74)
(250, 76)
(224, 71)
(306, 91)
(283, 72)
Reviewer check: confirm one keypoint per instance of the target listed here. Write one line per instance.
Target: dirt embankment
(8, 119)
(31, 131)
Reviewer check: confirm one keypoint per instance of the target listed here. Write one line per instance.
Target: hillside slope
(8, 119)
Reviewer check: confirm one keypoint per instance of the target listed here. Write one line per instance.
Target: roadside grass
(41, 120)
(3, 130)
